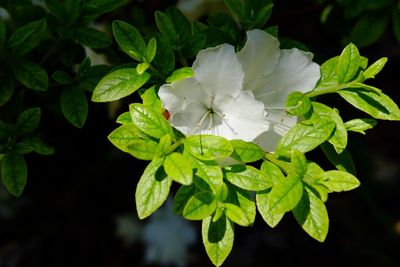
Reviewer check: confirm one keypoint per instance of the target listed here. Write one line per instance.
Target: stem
(330, 90)
(49, 52)
(175, 145)
(182, 59)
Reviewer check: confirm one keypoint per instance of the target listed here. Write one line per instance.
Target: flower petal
(268, 140)
(259, 57)
(219, 71)
(295, 72)
(181, 93)
(242, 118)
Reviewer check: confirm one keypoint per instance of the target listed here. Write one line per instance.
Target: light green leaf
(272, 171)
(348, 64)
(342, 161)
(144, 149)
(378, 105)
(92, 38)
(31, 75)
(182, 196)
(130, 40)
(149, 121)
(299, 164)
(150, 98)
(27, 37)
(304, 137)
(236, 214)
(246, 151)
(14, 173)
(375, 68)
(312, 215)
(338, 181)
(339, 136)
(328, 74)
(179, 74)
(210, 171)
(285, 195)
(124, 118)
(142, 67)
(164, 145)
(360, 125)
(263, 202)
(178, 168)
(200, 206)
(152, 189)
(118, 84)
(74, 106)
(298, 104)
(313, 177)
(248, 178)
(218, 238)
(28, 120)
(243, 199)
(208, 147)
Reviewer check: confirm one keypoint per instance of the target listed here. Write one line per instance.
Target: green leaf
(124, 118)
(360, 125)
(396, 24)
(84, 67)
(74, 106)
(339, 136)
(338, 181)
(348, 63)
(248, 178)
(149, 121)
(285, 195)
(31, 75)
(208, 147)
(328, 74)
(378, 105)
(372, 22)
(27, 37)
(236, 7)
(151, 49)
(152, 189)
(236, 214)
(6, 88)
(182, 196)
(375, 68)
(28, 120)
(342, 161)
(165, 57)
(246, 151)
(61, 77)
(93, 76)
(92, 38)
(98, 7)
(298, 103)
(34, 144)
(210, 171)
(3, 32)
(272, 171)
(14, 173)
(312, 215)
(304, 137)
(200, 206)
(313, 177)
(178, 168)
(166, 27)
(118, 84)
(179, 74)
(164, 145)
(130, 40)
(142, 67)
(262, 16)
(218, 239)
(144, 149)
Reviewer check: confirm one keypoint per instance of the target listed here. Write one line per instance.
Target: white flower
(242, 95)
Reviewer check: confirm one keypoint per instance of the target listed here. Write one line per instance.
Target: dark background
(67, 214)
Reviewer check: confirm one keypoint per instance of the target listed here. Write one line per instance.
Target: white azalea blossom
(241, 95)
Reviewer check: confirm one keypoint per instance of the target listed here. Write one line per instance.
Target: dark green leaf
(92, 38)
(14, 173)
(27, 37)
(165, 57)
(3, 32)
(342, 161)
(98, 7)
(118, 84)
(84, 67)
(374, 23)
(130, 40)
(182, 196)
(166, 27)
(28, 120)
(6, 88)
(74, 106)
(33, 144)
(31, 75)
(152, 189)
(218, 239)
(61, 77)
